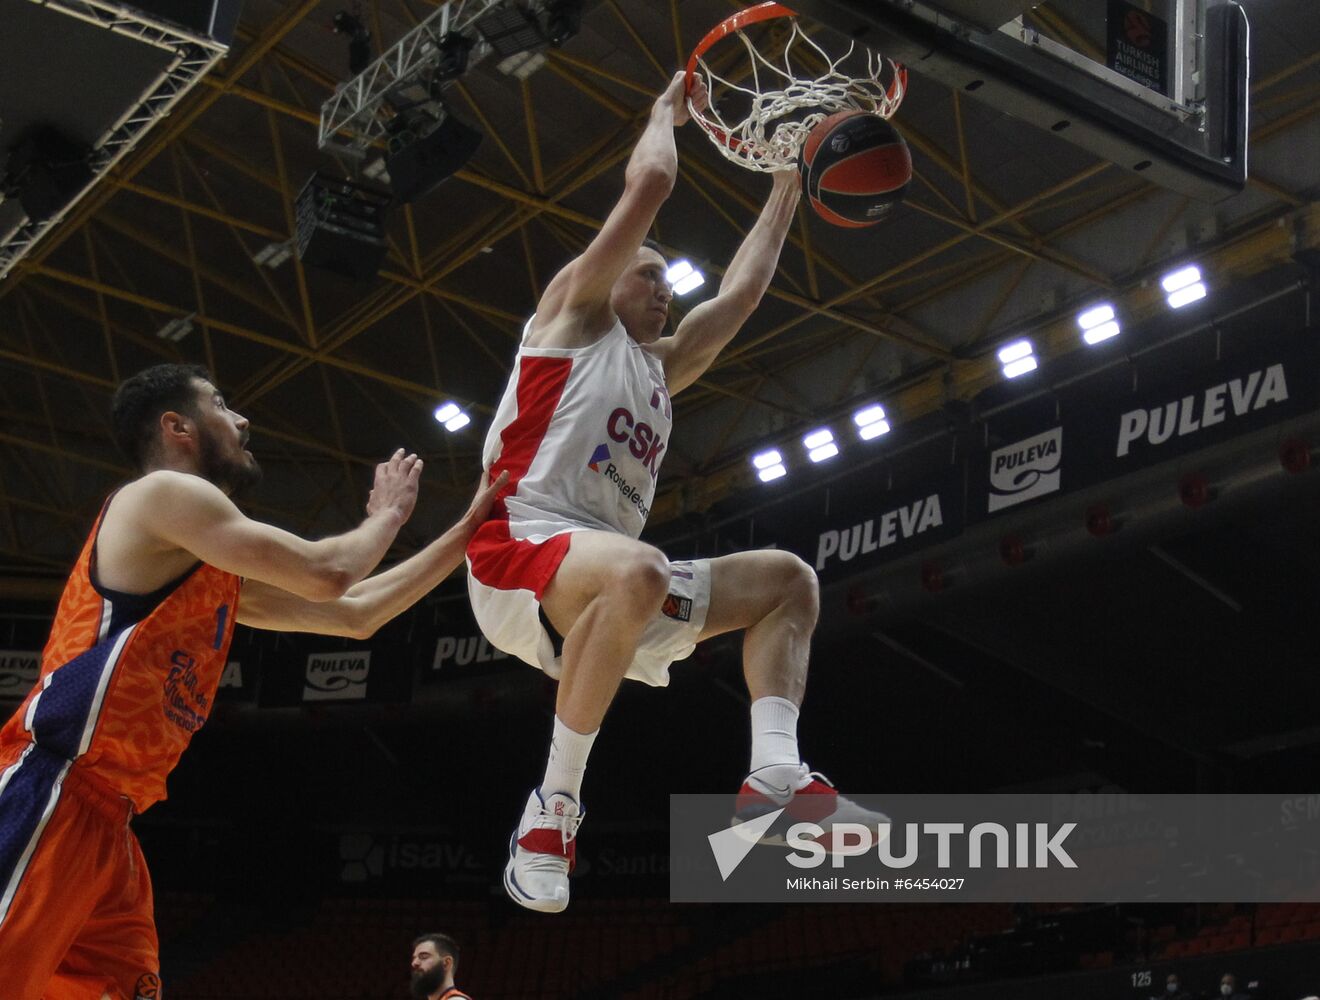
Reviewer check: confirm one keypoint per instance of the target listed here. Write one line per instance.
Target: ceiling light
(769, 465)
(1183, 286)
(176, 329)
(1186, 296)
(1089, 319)
(1020, 367)
(452, 416)
(1181, 278)
(272, 255)
(820, 445)
(1098, 323)
(683, 277)
(1017, 358)
(521, 65)
(1014, 351)
(871, 422)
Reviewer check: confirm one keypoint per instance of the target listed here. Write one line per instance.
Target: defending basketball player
(132, 665)
(581, 432)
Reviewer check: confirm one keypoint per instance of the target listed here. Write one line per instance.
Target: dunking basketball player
(133, 662)
(581, 431)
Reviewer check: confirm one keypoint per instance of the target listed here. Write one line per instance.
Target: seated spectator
(1228, 988)
(1172, 989)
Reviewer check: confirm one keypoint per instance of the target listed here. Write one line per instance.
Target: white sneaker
(810, 798)
(542, 851)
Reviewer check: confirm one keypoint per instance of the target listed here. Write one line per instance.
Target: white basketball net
(783, 103)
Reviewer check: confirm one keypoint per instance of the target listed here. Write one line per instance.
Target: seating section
(634, 949)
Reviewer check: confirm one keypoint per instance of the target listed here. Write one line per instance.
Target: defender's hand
(395, 487)
(479, 509)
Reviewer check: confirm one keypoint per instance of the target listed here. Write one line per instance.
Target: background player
(132, 665)
(434, 965)
(581, 431)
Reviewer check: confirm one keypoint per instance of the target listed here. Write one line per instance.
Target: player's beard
(234, 476)
(427, 981)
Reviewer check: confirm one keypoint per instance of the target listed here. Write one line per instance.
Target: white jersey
(582, 432)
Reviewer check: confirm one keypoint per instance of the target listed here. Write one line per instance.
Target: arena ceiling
(1005, 228)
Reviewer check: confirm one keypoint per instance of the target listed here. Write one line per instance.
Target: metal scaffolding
(351, 118)
(194, 57)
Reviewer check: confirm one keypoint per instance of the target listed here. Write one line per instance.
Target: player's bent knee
(800, 584)
(642, 579)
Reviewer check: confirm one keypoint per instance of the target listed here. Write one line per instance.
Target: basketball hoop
(762, 122)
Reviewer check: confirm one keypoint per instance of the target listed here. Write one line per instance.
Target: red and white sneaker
(542, 851)
(810, 798)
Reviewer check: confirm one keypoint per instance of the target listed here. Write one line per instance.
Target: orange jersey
(126, 679)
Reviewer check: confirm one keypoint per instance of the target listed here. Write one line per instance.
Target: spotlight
(510, 30)
(1098, 324)
(272, 255)
(769, 465)
(820, 445)
(176, 329)
(871, 422)
(452, 416)
(454, 51)
(1183, 286)
(683, 277)
(359, 39)
(1017, 358)
(563, 20)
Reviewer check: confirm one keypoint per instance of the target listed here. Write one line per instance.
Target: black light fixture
(350, 23)
(510, 30)
(563, 20)
(454, 50)
(425, 148)
(45, 169)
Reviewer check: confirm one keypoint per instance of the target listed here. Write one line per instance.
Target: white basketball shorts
(507, 576)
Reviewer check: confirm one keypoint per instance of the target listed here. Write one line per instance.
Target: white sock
(568, 761)
(774, 739)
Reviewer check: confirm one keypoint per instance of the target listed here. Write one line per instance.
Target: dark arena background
(1096, 572)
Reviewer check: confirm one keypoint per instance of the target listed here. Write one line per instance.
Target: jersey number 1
(221, 615)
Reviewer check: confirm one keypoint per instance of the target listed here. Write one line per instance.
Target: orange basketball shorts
(76, 917)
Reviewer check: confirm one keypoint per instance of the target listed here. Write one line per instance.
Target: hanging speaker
(417, 163)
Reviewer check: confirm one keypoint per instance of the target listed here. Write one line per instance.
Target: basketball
(855, 168)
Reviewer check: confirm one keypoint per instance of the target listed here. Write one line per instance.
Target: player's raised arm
(580, 293)
(167, 509)
(371, 603)
(706, 330)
